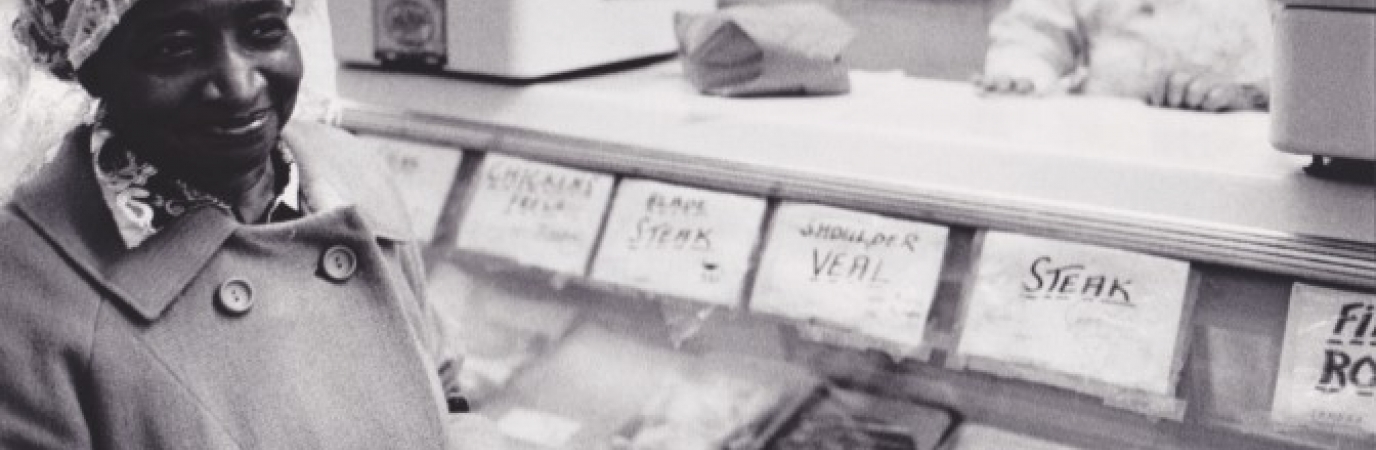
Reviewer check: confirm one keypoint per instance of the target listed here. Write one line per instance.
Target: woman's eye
(171, 49)
(267, 31)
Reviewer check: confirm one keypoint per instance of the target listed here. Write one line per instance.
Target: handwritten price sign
(536, 214)
(1327, 376)
(854, 271)
(679, 241)
(1106, 315)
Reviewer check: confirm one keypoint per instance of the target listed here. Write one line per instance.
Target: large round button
(338, 263)
(235, 297)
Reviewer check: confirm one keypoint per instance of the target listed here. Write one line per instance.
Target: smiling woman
(39, 109)
(194, 269)
(201, 89)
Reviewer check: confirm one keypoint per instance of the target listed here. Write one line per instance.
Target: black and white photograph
(688, 224)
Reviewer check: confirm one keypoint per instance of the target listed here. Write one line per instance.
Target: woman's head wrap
(62, 35)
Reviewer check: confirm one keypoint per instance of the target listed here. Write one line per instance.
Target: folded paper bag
(751, 50)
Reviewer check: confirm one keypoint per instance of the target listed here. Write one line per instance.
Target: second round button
(235, 297)
(338, 263)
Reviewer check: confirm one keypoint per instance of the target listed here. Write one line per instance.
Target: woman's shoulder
(12, 226)
(55, 210)
(39, 285)
(339, 169)
(28, 255)
(331, 148)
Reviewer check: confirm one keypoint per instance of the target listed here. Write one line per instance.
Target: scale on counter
(510, 39)
(1324, 93)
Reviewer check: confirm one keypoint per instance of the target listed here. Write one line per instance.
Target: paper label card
(974, 436)
(1327, 375)
(538, 427)
(423, 175)
(536, 214)
(855, 271)
(1090, 312)
(680, 241)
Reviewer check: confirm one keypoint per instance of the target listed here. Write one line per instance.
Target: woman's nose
(235, 80)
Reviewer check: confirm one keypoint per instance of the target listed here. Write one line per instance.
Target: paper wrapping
(752, 50)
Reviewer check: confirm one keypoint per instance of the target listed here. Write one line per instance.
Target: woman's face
(200, 87)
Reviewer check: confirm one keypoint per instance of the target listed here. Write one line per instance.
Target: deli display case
(1064, 272)
(912, 265)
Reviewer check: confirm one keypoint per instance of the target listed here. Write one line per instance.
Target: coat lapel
(63, 202)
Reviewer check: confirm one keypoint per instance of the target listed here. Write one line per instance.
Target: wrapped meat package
(752, 50)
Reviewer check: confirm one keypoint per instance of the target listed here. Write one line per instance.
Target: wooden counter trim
(1325, 260)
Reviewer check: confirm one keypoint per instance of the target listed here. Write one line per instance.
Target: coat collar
(63, 202)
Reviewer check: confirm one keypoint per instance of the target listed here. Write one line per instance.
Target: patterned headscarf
(62, 35)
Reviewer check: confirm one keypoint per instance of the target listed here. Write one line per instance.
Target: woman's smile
(240, 126)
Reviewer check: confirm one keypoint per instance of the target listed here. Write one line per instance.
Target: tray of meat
(851, 420)
(726, 402)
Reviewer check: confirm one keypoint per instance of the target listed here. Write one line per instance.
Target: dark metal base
(1343, 169)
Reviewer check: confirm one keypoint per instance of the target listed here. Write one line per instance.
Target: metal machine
(1324, 92)
(517, 39)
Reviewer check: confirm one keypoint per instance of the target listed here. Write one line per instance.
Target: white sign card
(855, 271)
(536, 214)
(423, 175)
(975, 436)
(538, 427)
(1089, 312)
(680, 241)
(1327, 375)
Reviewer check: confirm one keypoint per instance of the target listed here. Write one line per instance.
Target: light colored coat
(1125, 47)
(102, 347)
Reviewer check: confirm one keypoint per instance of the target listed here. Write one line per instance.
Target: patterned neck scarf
(144, 200)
